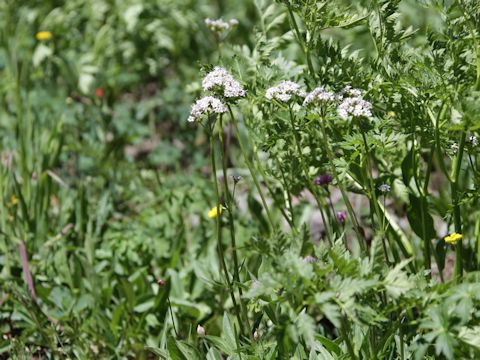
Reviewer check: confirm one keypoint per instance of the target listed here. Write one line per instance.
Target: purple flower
(341, 216)
(309, 259)
(323, 180)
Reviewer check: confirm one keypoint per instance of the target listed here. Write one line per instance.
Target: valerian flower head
(354, 106)
(319, 96)
(221, 81)
(348, 91)
(219, 25)
(473, 140)
(204, 106)
(454, 148)
(285, 91)
(453, 238)
(384, 188)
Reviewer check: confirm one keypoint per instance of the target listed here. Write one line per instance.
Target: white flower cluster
(219, 25)
(454, 148)
(348, 91)
(221, 79)
(354, 106)
(204, 106)
(284, 91)
(319, 96)
(473, 140)
(384, 188)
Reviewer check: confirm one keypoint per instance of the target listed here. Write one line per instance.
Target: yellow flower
(13, 201)
(43, 35)
(453, 238)
(215, 211)
(392, 114)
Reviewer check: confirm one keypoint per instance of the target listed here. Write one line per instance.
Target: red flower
(99, 92)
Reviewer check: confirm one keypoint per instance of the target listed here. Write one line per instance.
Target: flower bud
(200, 331)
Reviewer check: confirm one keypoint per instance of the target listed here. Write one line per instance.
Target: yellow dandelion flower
(43, 35)
(392, 114)
(453, 238)
(215, 211)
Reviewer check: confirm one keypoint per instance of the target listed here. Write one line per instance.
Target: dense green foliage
(331, 235)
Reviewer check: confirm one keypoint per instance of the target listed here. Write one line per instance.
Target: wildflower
(204, 106)
(384, 188)
(323, 180)
(43, 35)
(161, 283)
(219, 25)
(348, 91)
(319, 96)
(341, 216)
(236, 178)
(256, 335)
(309, 259)
(473, 140)
(284, 92)
(392, 114)
(13, 201)
(99, 93)
(220, 79)
(200, 331)
(454, 148)
(354, 106)
(215, 211)
(453, 238)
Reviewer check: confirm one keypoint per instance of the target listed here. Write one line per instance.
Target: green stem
(221, 251)
(302, 43)
(230, 209)
(289, 220)
(320, 201)
(345, 330)
(250, 167)
(346, 200)
(457, 220)
(264, 176)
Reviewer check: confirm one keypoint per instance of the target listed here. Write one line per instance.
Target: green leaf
(419, 218)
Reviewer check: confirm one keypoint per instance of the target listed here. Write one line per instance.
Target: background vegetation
(107, 249)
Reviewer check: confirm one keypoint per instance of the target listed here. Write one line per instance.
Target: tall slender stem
(320, 201)
(221, 251)
(230, 209)
(351, 213)
(457, 220)
(250, 167)
(301, 42)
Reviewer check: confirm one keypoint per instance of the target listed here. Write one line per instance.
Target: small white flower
(384, 188)
(220, 79)
(284, 91)
(454, 148)
(309, 259)
(318, 96)
(204, 106)
(354, 106)
(200, 331)
(348, 91)
(473, 140)
(219, 25)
